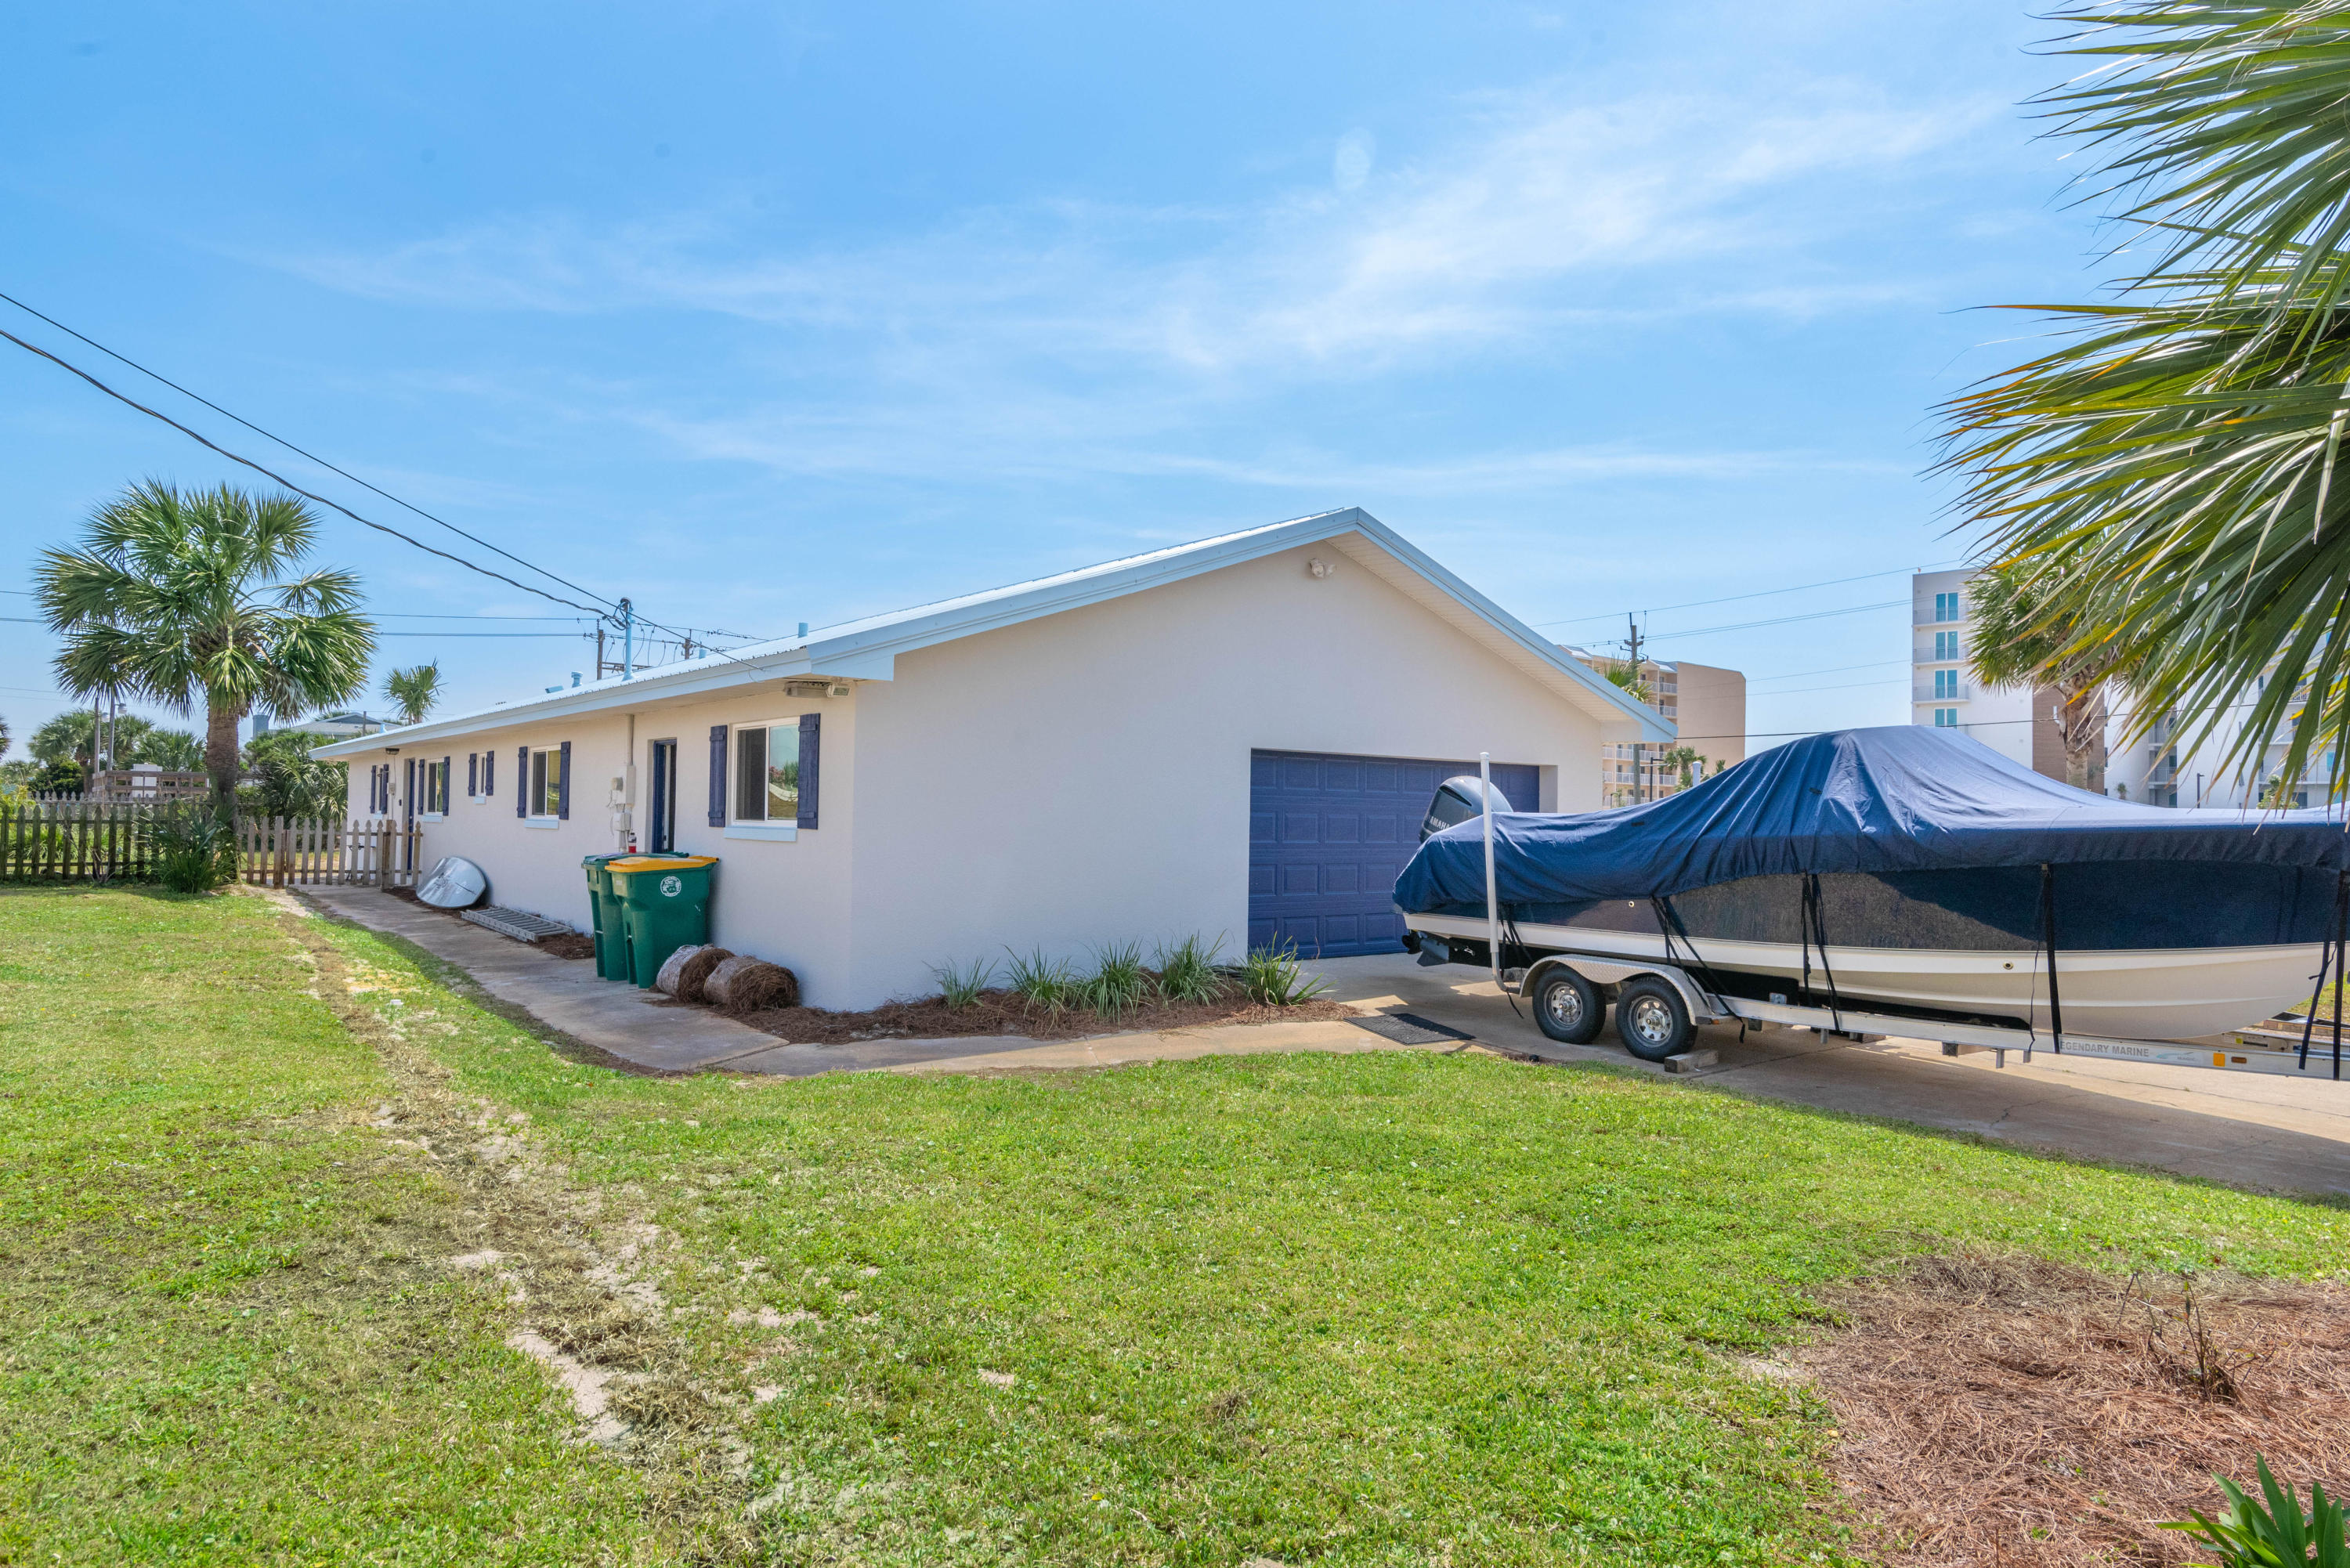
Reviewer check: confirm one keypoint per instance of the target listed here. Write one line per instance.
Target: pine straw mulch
(562, 945)
(2011, 1410)
(998, 1012)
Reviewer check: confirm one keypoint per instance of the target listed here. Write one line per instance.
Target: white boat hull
(2169, 993)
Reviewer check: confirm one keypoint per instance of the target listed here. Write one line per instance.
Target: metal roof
(866, 650)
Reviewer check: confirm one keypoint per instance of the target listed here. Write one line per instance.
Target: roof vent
(816, 688)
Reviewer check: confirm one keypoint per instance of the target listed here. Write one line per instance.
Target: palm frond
(2149, 488)
(2223, 125)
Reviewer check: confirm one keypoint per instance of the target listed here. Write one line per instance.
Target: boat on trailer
(1895, 880)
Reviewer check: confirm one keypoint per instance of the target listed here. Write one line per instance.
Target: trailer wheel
(1567, 1007)
(1652, 1021)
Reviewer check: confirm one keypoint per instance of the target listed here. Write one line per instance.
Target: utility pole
(1640, 751)
(628, 642)
(599, 650)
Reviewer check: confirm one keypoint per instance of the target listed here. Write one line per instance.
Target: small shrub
(1118, 984)
(1272, 976)
(194, 848)
(1188, 972)
(1039, 981)
(2247, 1535)
(961, 985)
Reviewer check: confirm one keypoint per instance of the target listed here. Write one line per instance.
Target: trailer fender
(1613, 972)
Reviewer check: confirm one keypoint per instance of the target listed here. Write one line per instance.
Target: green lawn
(1393, 1309)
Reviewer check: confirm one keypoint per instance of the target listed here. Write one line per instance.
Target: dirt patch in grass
(585, 1281)
(1001, 1012)
(2012, 1410)
(565, 945)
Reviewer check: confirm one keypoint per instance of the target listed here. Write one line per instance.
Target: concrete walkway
(646, 1030)
(2286, 1135)
(641, 1027)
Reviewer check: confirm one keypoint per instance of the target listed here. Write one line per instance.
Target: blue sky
(771, 314)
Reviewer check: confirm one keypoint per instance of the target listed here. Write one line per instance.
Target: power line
(281, 479)
(1758, 594)
(289, 446)
(566, 635)
(680, 633)
(1846, 685)
(1778, 620)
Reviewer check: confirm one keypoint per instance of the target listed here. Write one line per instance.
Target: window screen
(750, 775)
(767, 773)
(542, 783)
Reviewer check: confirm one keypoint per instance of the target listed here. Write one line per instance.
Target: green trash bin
(605, 917)
(665, 903)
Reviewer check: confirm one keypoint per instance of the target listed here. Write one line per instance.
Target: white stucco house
(1234, 737)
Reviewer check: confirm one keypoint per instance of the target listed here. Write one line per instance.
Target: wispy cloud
(1068, 337)
(1534, 198)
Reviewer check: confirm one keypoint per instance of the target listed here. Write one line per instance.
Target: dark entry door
(1329, 833)
(661, 826)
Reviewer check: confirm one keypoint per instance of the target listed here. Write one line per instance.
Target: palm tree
(182, 597)
(76, 736)
(174, 751)
(288, 782)
(414, 690)
(1686, 760)
(2016, 643)
(2159, 491)
(1625, 677)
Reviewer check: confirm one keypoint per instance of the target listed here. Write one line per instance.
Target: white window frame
(436, 788)
(543, 774)
(757, 827)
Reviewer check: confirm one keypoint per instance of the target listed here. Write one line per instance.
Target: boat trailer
(2285, 1046)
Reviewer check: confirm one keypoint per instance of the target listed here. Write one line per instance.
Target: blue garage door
(1327, 836)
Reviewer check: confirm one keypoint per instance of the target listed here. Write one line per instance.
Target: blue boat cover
(1901, 798)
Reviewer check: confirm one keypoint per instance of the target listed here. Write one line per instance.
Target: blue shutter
(522, 780)
(563, 788)
(473, 772)
(489, 774)
(717, 776)
(448, 779)
(810, 735)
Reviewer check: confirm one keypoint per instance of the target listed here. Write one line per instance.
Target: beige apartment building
(1708, 705)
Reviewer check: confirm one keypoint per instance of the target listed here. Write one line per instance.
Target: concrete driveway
(2284, 1135)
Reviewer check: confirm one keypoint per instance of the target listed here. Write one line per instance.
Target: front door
(662, 818)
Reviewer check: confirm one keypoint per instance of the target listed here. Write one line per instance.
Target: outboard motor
(1460, 800)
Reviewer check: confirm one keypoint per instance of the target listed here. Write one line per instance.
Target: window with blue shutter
(809, 738)
(717, 776)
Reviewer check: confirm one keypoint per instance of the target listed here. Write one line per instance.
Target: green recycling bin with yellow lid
(605, 919)
(665, 906)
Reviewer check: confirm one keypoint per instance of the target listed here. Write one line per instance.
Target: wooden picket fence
(292, 852)
(81, 842)
(73, 842)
